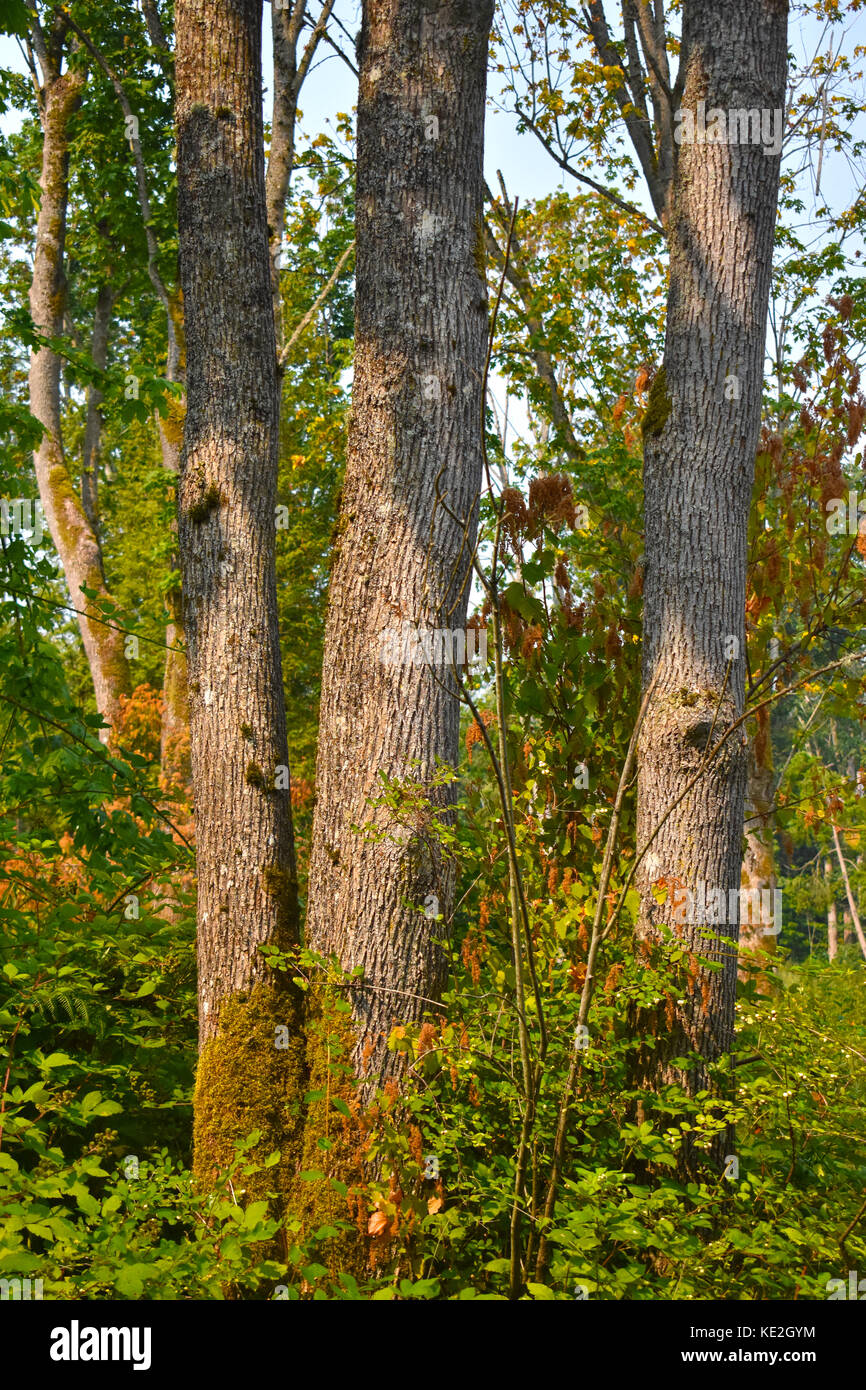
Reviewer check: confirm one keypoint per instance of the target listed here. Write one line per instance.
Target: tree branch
(858, 926)
(599, 188)
(637, 123)
(316, 305)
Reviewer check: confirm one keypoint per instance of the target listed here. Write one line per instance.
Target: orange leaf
(378, 1224)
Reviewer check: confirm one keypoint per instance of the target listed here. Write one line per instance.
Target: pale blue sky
(528, 170)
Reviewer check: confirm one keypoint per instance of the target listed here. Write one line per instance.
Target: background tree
(70, 519)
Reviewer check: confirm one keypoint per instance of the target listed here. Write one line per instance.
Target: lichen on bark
(658, 407)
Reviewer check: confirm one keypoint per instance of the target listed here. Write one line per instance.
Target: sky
(528, 170)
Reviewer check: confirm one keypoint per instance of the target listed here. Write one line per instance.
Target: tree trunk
(832, 915)
(700, 438)
(849, 893)
(409, 508)
(174, 758)
(287, 25)
(72, 532)
(247, 885)
(105, 301)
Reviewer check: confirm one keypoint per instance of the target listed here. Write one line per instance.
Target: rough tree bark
(409, 505)
(247, 888)
(700, 438)
(73, 534)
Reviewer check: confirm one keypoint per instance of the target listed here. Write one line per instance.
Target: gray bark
(699, 451)
(227, 492)
(409, 506)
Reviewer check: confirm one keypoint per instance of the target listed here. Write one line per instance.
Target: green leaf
(58, 1059)
(129, 1281)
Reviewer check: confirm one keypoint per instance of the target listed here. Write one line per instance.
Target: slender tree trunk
(852, 905)
(832, 915)
(174, 739)
(174, 760)
(290, 70)
(700, 437)
(247, 886)
(759, 860)
(105, 301)
(73, 534)
(285, 32)
(409, 507)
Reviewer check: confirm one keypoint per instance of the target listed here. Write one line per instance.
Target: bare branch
(153, 23)
(316, 305)
(855, 915)
(596, 187)
(340, 53)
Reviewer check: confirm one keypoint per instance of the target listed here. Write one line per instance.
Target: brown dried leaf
(378, 1224)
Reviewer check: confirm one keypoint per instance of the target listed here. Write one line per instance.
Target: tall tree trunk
(700, 438)
(849, 892)
(247, 885)
(73, 534)
(409, 506)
